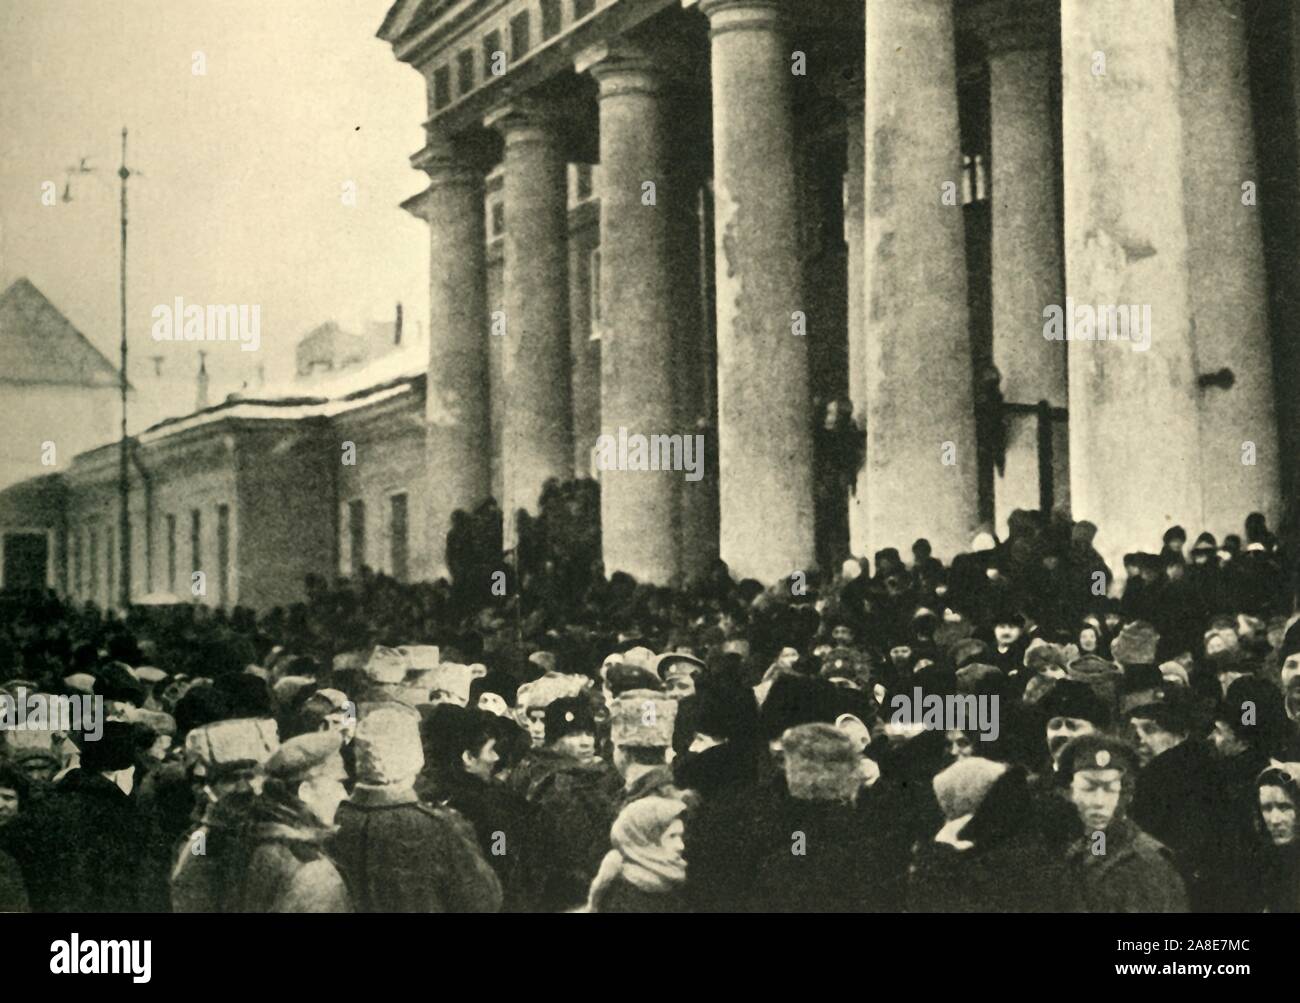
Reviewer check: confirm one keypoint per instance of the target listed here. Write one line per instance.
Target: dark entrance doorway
(26, 561)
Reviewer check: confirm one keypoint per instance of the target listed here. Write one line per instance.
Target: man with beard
(1114, 866)
(1176, 798)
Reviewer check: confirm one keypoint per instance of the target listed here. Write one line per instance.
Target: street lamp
(123, 470)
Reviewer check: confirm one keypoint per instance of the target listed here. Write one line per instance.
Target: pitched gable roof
(39, 345)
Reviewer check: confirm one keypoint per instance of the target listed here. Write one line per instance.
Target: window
(109, 567)
(441, 87)
(196, 541)
(593, 278)
(491, 46)
(465, 71)
(398, 536)
(171, 553)
(581, 8)
(223, 554)
(586, 186)
(498, 226)
(92, 586)
(551, 18)
(356, 535)
(519, 41)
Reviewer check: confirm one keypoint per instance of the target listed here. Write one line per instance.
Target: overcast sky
(243, 170)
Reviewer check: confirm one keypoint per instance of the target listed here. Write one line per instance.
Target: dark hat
(978, 677)
(1097, 752)
(113, 750)
(569, 716)
(621, 677)
(794, 700)
(1291, 641)
(1008, 614)
(116, 681)
(968, 650)
(725, 710)
(1071, 698)
(1171, 707)
(1205, 542)
(1175, 533)
(1267, 712)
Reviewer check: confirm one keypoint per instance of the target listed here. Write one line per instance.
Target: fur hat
(1171, 707)
(968, 650)
(349, 661)
(386, 665)
(643, 718)
(1135, 645)
(976, 677)
(569, 716)
(241, 742)
(300, 756)
(541, 693)
(452, 679)
(113, 750)
(421, 657)
(1071, 698)
(821, 763)
(961, 787)
(1043, 656)
(388, 746)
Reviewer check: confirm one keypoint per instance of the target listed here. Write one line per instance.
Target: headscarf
(636, 856)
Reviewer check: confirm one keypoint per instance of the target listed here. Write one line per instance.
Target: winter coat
(13, 890)
(1134, 874)
(503, 825)
(574, 805)
(819, 856)
(207, 865)
(623, 896)
(79, 849)
(288, 868)
(1178, 802)
(398, 855)
(1009, 868)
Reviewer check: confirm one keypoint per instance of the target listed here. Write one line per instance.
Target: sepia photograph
(676, 457)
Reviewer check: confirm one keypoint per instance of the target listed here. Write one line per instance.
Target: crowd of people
(591, 743)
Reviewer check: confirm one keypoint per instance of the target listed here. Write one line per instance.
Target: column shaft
(458, 443)
(1133, 413)
(638, 507)
(764, 424)
(1226, 265)
(1027, 274)
(536, 442)
(921, 461)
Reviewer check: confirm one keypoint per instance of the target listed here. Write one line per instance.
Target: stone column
(458, 442)
(637, 506)
(764, 424)
(536, 442)
(851, 95)
(921, 462)
(1133, 412)
(1027, 268)
(1239, 463)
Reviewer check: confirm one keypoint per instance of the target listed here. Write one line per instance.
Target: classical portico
(983, 164)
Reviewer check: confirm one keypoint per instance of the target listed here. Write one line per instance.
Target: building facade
(877, 202)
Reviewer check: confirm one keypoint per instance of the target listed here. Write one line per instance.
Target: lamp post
(123, 470)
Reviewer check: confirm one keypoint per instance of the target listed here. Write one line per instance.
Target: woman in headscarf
(1093, 638)
(1279, 809)
(645, 870)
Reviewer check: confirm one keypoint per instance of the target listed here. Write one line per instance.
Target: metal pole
(123, 476)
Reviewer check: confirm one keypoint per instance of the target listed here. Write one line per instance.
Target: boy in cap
(1113, 865)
